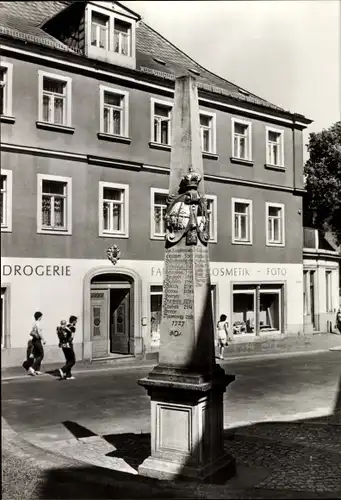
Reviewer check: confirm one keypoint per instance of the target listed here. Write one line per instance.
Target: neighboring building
(321, 262)
(87, 95)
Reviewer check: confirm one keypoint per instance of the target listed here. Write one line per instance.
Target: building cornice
(166, 86)
(130, 165)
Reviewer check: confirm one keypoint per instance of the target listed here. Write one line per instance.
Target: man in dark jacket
(66, 343)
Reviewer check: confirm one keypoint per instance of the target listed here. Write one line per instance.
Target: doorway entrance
(111, 297)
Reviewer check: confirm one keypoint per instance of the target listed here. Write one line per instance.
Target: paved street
(108, 402)
(101, 419)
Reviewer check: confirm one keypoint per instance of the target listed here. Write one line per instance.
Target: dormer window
(122, 38)
(111, 33)
(99, 30)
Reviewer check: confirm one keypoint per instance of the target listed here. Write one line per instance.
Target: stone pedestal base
(187, 425)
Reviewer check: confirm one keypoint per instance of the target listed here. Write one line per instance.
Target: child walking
(222, 327)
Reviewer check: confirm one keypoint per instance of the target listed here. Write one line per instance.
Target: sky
(285, 51)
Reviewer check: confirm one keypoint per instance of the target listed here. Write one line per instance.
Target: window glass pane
(158, 219)
(54, 187)
(117, 122)
(2, 89)
(276, 225)
(269, 319)
(240, 128)
(59, 207)
(160, 199)
(243, 227)
(155, 315)
(243, 319)
(106, 212)
(54, 86)
(46, 211)
(205, 120)
(241, 208)
(164, 132)
(274, 211)
(59, 111)
(99, 19)
(161, 110)
(242, 149)
(2, 208)
(106, 116)
(116, 213)
(112, 194)
(273, 136)
(206, 140)
(113, 99)
(46, 108)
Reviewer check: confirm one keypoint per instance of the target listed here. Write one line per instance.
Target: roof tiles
(24, 20)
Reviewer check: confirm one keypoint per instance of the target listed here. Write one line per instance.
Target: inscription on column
(178, 288)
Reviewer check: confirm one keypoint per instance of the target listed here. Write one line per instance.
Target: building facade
(321, 300)
(86, 110)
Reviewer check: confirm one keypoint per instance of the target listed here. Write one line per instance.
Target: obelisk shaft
(187, 338)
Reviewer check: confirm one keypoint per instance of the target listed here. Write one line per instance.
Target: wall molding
(292, 121)
(130, 165)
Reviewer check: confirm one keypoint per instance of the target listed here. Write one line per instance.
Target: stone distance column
(187, 386)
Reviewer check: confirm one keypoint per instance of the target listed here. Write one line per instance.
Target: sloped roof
(25, 20)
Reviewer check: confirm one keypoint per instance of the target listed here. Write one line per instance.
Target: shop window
(247, 317)
(269, 311)
(243, 318)
(155, 314)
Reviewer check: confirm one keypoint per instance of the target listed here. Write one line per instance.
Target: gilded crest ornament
(187, 213)
(113, 254)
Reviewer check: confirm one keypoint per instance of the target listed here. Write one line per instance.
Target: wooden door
(99, 323)
(120, 321)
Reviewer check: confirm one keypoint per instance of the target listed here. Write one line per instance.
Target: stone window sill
(242, 161)
(210, 156)
(157, 145)
(114, 138)
(56, 128)
(280, 168)
(7, 119)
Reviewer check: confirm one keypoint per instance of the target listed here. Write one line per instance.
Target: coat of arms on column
(187, 213)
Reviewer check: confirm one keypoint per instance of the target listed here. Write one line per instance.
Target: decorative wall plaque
(113, 254)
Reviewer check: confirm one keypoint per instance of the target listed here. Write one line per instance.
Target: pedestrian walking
(29, 356)
(222, 327)
(338, 320)
(37, 343)
(66, 335)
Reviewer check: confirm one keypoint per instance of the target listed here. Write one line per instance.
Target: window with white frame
(329, 305)
(242, 220)
(275, 224)
(212, 217)
(6, 200)
(6, 71)
(242, 139)
(99, 30)
(114, 111)
(158, 211)
(275, 147)
(55, 99)
(113, 209)
(54, 204)
(122, 37)
(207, 132)
(161, 120)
